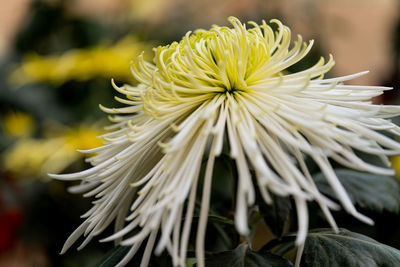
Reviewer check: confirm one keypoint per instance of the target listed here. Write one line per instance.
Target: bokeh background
(57, 59)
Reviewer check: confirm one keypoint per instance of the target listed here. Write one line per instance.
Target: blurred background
(56, 62)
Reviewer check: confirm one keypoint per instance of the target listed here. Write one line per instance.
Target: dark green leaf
(113, 257)
(242, 256)
(376, 192)
(216, 219)
(276, 213)
(324, 247)
(220, 219)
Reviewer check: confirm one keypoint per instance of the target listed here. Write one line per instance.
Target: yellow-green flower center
(223, 60)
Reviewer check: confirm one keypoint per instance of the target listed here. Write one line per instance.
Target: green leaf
(276, 213)
(376, 192)
(242, 256)
(113, 257)
(213, 218)
(324, 247)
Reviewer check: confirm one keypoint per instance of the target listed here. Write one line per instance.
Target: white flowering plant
(219, 138)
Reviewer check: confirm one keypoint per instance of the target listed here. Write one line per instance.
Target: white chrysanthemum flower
(226, 84)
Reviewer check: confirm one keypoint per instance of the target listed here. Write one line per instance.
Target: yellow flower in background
(226, 87)
(37, 157)
(83, 138)
(80, 64)
(18, 124)
(28, 157)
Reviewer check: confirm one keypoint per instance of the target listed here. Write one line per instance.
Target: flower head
(226, 87)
